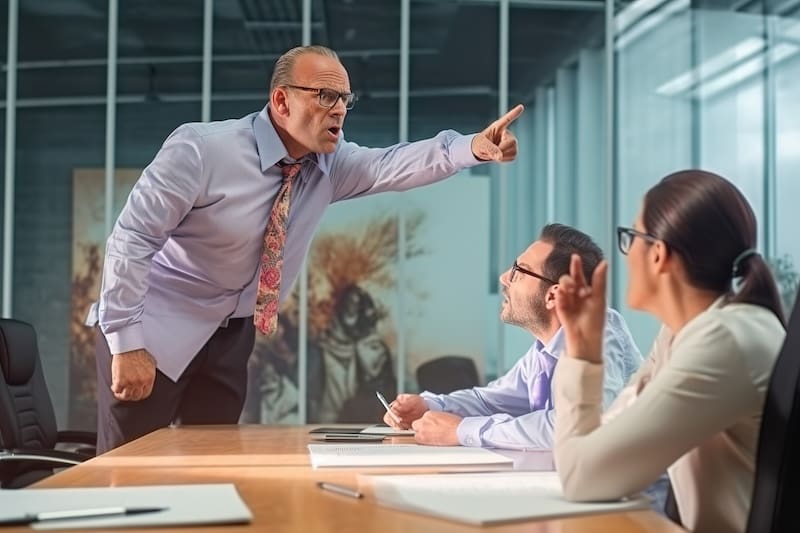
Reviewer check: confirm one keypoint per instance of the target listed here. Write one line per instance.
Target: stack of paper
(182, 505)
(486, 498)
(323, 455)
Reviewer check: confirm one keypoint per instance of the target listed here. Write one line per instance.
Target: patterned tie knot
(290, 171)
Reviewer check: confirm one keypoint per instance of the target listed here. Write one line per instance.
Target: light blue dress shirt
(184, 254)
(503, 415)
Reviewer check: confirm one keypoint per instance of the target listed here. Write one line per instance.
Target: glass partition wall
(617, 95)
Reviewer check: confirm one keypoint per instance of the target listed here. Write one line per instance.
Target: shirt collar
(271, 148)
(554, 347)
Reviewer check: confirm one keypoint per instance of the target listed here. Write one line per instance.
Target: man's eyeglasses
(516, 268)
(329, 97)
(625, 238)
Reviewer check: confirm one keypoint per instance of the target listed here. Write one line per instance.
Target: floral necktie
(269, 280)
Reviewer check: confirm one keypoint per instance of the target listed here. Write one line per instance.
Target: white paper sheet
(486, 498)
(324, 455)
(186, 504)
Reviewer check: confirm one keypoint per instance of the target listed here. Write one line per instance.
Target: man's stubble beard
(534, 315)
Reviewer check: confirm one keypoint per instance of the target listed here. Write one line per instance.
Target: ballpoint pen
(386, 406)
(76, 514)
(339, 489)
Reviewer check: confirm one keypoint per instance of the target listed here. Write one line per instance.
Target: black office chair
(446, 374)
(28, 433)
(776, 493)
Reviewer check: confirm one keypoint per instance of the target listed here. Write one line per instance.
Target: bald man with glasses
(214, 233)
(516, 411)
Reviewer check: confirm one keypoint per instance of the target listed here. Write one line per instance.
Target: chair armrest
(80, 442)
(82, 437)
(50, 458)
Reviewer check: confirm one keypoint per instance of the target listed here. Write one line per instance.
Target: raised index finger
(576, 271)
(511, 116)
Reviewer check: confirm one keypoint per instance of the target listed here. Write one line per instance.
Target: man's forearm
(533, 431)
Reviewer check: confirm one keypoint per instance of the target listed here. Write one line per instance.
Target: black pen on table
(77, 514)
(339, 489)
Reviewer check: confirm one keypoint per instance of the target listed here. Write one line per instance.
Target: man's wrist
(586, 349)
(135, 351)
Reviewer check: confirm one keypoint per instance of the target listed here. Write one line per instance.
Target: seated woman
(694, 408)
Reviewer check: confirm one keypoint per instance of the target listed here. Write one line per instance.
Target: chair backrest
(27, 419)
(776, 490)
(446, 374)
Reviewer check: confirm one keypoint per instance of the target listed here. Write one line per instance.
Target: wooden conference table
(270, 467)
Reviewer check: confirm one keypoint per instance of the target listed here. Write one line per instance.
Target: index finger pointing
(504, 121)
(576, 271)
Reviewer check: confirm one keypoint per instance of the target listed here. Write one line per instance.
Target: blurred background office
(618, 94)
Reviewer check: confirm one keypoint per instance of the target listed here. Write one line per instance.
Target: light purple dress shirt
(511, 413)
(184, 254)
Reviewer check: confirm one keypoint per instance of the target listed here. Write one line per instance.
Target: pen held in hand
(339, 489)
(388, 409)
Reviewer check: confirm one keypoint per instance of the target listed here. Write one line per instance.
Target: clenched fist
(437, 429)
(132, 375)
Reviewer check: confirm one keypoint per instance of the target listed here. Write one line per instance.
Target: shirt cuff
(461, 152)
(469, 431)
(578, 382)
(126, 339)
(432, 401)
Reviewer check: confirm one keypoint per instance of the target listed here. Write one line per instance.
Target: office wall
(699, 85)
(694, 84)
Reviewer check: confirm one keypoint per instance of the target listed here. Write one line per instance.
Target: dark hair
(566, 241)
(706, 220)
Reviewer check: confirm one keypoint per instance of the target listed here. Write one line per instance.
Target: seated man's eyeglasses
(329, 97)
(625, 238)
(516, 268)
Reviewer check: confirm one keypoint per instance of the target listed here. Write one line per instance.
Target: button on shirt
(511, 411)
(184, 254)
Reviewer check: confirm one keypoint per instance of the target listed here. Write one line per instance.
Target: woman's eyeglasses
(625, 238)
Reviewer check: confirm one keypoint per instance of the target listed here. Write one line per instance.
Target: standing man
(516, 411)
(215, 230)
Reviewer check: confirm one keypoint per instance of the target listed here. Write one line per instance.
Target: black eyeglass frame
(516, 268)
(628, 234)
(349, 99)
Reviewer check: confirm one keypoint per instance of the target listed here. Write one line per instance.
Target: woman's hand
(581, 309)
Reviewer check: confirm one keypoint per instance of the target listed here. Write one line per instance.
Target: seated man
(516, 410)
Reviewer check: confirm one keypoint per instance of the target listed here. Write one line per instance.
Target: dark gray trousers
(211, 390)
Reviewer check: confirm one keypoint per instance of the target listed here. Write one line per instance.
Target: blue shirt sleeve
(532, 431)
(358, 171)
(621, 357)
(507, 394)
(161, 198)
(499, 415)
